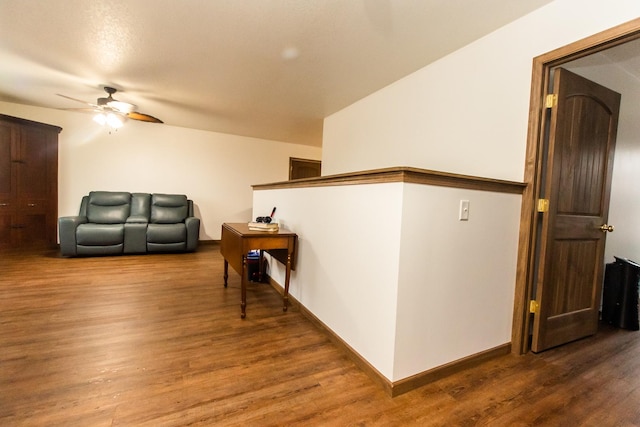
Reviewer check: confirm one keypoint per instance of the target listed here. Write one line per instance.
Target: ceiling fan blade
(82, 110)
(123, 107)
(77, 100)
(143, 117)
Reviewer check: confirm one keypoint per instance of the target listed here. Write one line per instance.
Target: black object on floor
(620, 295)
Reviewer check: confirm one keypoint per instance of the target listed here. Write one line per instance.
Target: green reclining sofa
(112, 223)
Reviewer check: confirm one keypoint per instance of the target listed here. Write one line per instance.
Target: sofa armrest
(137, 219)
(67, 226)
(193, 232)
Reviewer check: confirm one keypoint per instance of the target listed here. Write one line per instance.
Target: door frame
(540, 81)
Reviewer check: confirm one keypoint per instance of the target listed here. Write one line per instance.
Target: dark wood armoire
(28, 183)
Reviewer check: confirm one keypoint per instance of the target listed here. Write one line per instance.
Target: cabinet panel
(8, 143)
(32, 166)
(5, 229)
(33, 229)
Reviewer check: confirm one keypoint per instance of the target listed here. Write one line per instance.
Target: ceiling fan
(109, 105)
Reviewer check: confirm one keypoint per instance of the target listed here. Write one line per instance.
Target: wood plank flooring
(156, 340)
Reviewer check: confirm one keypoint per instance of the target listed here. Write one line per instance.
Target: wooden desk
(237, 240)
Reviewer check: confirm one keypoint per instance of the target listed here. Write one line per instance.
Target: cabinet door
(37, 186)
(32, 230)
(8, 156)
(6, 229)
(32, 167)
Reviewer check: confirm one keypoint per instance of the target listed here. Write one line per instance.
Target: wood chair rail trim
(401, 174)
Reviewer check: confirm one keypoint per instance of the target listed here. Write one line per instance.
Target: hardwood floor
(156, 340)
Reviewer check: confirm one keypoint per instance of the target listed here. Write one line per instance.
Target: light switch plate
(464, 210)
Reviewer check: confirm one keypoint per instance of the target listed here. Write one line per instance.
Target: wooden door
(577, 181)
(304, 168)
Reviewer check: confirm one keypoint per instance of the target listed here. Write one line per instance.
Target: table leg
(226, 272)
(243, 288)
(285, 296)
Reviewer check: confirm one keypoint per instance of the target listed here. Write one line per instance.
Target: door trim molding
(541, 73)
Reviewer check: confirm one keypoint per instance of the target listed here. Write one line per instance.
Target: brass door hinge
(551, 100)
(533, 306)
(543, 205)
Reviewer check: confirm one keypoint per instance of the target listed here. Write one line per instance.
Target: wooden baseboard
(208, 242)
(396, 388)
(418, 380)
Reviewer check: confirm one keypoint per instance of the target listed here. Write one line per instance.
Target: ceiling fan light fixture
(114, 121)
(109, 119)
(100, 118)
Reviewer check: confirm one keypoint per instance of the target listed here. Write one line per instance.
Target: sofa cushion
(168, 208)
(100, 234)
(108, 207)
(166, 233)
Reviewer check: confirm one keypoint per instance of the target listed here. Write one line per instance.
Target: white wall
(625, 196)
(456, 282)
(468, 112)
(348, 255)
(215, 170)
(625, 199)
(391, 270)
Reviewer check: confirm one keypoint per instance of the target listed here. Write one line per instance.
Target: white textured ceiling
(270, 69)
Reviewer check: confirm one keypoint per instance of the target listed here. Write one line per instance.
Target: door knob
(605, 228)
